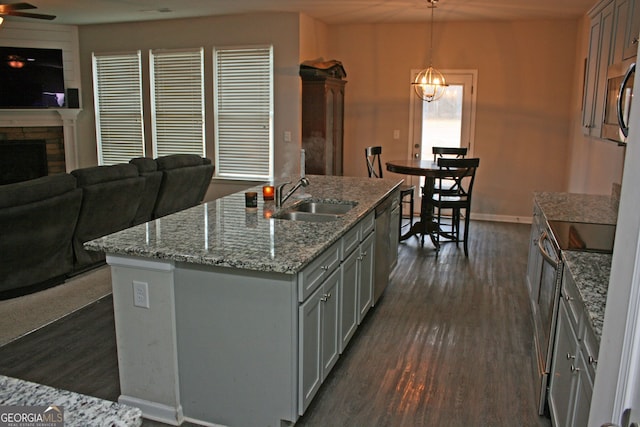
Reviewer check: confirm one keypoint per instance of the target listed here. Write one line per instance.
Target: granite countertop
(590, 272)
(224, 233)
(78, 410)
(578, 207)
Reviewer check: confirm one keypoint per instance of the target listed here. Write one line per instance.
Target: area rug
(22, 315)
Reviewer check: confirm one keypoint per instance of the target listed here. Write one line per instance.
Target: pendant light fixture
(430, 84)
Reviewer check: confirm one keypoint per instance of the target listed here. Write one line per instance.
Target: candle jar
(268, 192)
(251, 199)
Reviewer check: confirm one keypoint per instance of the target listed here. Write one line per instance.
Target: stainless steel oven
(615, 125)
(545, 309)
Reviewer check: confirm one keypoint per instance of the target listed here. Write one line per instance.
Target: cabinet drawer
(319, 269)
(367, 224)
(350, 241)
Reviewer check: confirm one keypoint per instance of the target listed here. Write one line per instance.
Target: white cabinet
(574, 361)
(562, 378)
(349, 298)
(335, 292)
(613, 38)
(598, 60)
(318, 337)
(632, 35)
(357, 278)
(627, 21)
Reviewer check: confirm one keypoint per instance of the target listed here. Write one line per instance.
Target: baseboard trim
(502, 218)
(155, 411)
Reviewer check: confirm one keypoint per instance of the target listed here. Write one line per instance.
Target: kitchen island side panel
(146, 337)
(237, 345)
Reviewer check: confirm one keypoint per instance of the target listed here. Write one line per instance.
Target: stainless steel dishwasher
(383, 246)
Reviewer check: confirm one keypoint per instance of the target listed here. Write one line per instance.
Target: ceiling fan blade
(6, 8)
(30, 15)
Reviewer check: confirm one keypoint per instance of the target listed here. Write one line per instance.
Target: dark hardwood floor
(448, 344)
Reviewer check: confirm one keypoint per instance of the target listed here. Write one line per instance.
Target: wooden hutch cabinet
(322, 124)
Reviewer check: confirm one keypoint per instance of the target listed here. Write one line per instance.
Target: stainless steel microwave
(619, 95)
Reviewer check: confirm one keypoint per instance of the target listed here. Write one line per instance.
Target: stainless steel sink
(335, 208)
(306, 216)
(316, 211)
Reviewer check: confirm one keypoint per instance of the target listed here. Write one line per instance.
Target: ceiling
(79, 12)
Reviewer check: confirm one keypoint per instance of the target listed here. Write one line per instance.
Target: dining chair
(457, 198)
(451, 153)
(374, 168)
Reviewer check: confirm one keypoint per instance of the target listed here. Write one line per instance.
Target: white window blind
(177, 98)
(117, 87)
(244, 112)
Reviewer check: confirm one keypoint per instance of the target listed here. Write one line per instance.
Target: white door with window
(447, 122)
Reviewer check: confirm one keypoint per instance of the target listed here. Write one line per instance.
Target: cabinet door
(598, 60)
(318, 338)
(365, 279)
(583, 392)
(562, 377)
(349, 298)
(330, 326)
(309, 348)
(632, 30)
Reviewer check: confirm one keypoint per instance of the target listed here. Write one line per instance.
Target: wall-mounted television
(31, 78)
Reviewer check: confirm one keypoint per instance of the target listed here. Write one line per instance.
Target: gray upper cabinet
(613, 38)
(598, 60)
(627, 29)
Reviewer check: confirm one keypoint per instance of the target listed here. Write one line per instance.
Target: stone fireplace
(21, 129)
(30, 152)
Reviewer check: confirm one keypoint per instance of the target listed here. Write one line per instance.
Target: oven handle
(624, 127)
(545, 254)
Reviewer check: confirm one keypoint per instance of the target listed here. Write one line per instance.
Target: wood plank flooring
(448, 344)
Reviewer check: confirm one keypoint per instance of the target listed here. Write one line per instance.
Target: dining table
(429, 169)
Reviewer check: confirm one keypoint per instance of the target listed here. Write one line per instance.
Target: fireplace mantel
(65, 117)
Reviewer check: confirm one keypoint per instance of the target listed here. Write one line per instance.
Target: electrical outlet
(140, 294)
(287, 136)
(396, 134)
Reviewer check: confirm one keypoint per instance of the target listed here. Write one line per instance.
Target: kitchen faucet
(280, 199)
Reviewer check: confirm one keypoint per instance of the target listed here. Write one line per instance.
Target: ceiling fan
(15, 9)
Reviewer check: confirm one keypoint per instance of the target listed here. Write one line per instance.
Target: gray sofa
(45, 222)
(37, 222)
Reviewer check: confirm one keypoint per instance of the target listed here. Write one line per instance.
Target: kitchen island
(232, 316)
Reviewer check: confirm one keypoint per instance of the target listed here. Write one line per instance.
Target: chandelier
(430, 84)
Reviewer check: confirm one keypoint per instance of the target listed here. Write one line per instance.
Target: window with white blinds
(117, 86)
(177, 99)
(243, 85)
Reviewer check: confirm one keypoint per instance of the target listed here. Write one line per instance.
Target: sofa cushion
(175, 161)
(34, 190)
(144, 164)
(100, 174)
(185, 180)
